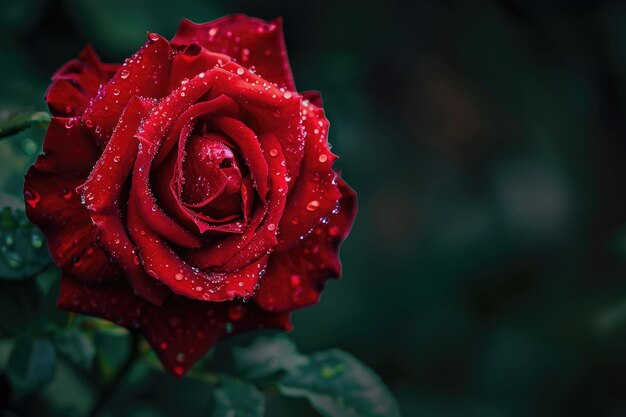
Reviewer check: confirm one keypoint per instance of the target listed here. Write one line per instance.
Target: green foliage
(23, 252)
(75, 345)
(237, 398)
(338, 385)
(31, 364)
(16, 122)
(19, 304)
(266, 356)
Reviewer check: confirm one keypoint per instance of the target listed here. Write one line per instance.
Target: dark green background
(485, 273)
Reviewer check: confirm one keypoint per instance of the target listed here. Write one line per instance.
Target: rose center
(211, 176)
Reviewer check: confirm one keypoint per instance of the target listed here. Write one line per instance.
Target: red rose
(189, 193)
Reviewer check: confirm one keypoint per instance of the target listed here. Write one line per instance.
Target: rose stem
(109, 388)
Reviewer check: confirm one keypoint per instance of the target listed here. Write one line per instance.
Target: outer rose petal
(54, 206)
(145, 74)
(253, 42)
(296, 277)
(76, 82)
(181, 331)
(315, 193)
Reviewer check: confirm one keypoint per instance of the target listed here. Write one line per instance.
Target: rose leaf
(338, 385)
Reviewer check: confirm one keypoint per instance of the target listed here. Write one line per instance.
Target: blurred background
(485, 274)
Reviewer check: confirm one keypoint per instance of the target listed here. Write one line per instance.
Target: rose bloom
(189, 192)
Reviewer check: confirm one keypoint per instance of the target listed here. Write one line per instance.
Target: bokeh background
(486, 274)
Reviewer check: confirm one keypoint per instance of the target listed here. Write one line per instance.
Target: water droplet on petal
(240, 71)
(66, 193)
(295, 280)
(124, 73)
(178, 277)
(323, 158)
(313, 205)
(273, 152)
(116, 92)
(287, 95)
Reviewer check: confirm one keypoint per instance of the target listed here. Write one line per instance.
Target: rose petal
(151, 135)
(315, 194)
(296, 277)
(248, 144)
(314, 97)
(144, 74)
(192, 60)
(54, 206)
(68, 149)
(166, 266)
(181, 331)
(76, 82)
(102, 190)
(253, 42)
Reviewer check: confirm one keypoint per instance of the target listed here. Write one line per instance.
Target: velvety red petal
(265, 236)
(181, 331)
(314, 97)
(151, 135)
(192, 60)
(316, 193)
(101, 193)
(296, 277)
(76, 82)
(145, 74)
(162, 263)
(55, 208)
(253, 42)
(68, 149)
(265, 109)
(248, 144)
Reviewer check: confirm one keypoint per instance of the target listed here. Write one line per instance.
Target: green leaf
(23, 252)
(338, 385)
(266, 356)
(77, 346)
(31, 364)
(236, 398)
(16, 122)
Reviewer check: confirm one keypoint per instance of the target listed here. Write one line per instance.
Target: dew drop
(287, 95)
(66, 193)
(273, 152)
(116, 92)
(323, 158)
(295, 280)
(240, 71)
(124, 73)
(69, 123)
(271, 227)
(117, 158)
(313, 205)
(154, 37)
(178, 277)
